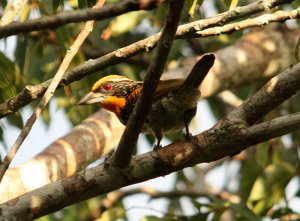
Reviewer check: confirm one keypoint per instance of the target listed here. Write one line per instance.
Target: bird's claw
(188, 136)
(157, 147)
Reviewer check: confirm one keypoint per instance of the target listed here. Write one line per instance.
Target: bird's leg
(187, 135)
(158, 135)
(187, 118)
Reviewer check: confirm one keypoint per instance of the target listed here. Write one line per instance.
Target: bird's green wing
(165, 86)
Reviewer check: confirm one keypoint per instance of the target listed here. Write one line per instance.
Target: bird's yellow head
(113, 93)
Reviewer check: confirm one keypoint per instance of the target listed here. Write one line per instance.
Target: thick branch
(31, 93)
(211, 145)
(142, 108)
(277, 90)
(88, 27)
(96, 136)
(54, 21)
(208, 146)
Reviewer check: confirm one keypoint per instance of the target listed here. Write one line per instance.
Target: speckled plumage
(174, 105)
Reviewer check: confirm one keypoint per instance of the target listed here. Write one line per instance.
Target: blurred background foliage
(264, 173)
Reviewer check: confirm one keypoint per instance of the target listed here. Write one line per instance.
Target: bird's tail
(199, 71)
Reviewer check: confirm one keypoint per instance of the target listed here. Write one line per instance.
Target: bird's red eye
(107, 87)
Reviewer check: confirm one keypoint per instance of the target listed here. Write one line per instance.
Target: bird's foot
(188, 136)
(157, 147)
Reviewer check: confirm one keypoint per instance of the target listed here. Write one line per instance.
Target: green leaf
(91, 3)
(56, 4)
(16, 120)
(269, 188)
(1, 137)
(82, 4)
(281, 212)
(244, 211)
(7, 67)
(192, 5)
(297, 50)
(250, 170)
(124, 23)
(231, 4)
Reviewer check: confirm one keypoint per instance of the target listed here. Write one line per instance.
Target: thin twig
(30, 93)
(123, 153)
(115, 197)
(279, 16)
(49, 93)
(54, 21)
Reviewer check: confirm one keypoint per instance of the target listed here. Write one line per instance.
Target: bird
(174, 105)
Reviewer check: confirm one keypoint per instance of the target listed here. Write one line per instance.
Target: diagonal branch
(90, 140)
(279, 16)
(277, 90)
(211, 145)
(51, 22)
(142, 108)
(49, 93)
(30, 93)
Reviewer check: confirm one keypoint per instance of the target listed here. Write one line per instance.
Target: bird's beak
(91, 98)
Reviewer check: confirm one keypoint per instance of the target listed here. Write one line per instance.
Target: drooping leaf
(192, 5)
(244, 212)
(231, 4)
(15, 120)
(56, 4)
(297, 50)
(269, 188)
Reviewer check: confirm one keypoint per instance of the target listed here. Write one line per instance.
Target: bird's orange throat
(114, 104)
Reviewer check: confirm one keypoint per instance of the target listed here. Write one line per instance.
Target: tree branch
(49, 92)
(123, 153)
(31, 93)
(54, 21)
(96, 136)
(278, 16)
(115, 197)
(277, 90)
(208, 146)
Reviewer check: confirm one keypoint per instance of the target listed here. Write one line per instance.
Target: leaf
(20, 53)
(112, 214)
(281, 212)
(124, 23)
(91, 3)
(7, 67)
(249, 172)
(192, 5)
(268, 188)
(1, 137)
(297, 50)
(56, 4)
(231, 4)
(81, 4)
(15, 119)
(244, 211)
